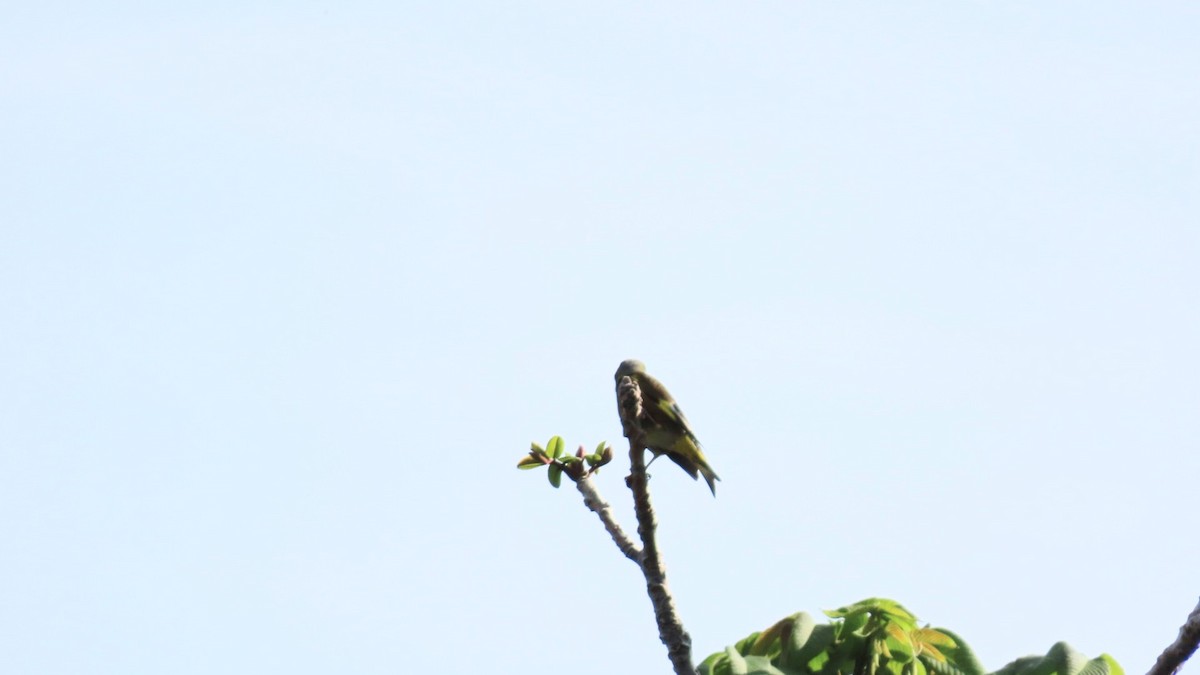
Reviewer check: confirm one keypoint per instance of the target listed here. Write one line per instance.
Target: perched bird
(664, 428)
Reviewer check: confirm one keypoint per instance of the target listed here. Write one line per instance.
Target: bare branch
(670, 627)
(593, 500)
(1173, 657)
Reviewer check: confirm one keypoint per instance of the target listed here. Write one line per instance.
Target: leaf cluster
(878, 636)
(1062, 659)
(577, 466)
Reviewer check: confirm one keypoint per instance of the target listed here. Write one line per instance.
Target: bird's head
(628, 367)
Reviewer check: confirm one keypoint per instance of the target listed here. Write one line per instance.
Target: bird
(664, 428)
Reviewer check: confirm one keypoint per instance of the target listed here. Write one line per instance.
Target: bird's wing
(662, 409)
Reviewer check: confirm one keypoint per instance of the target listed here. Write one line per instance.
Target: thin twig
(593, 500)
(670, 627)
(1173, 657)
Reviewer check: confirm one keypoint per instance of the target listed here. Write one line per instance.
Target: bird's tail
(710, 476)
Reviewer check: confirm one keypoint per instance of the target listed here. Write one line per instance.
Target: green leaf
(899, 643)
(1113, 667)
(908, 625)
(795, 639)
(895, 611)
(854, 624)
(935, 637)
(555, 474)
(814, 647)
(771, 641)
(529, 462)
(1021, 666)
(1074, 661)
(600, 448)
(1061, 659)
(938, 667)
(717, 663)
(817, 663)
(737, 663)
(761, 665)
(889, 608)
(1102, 665)
(959, 656)
(746, 644)
(881, 647)
(842, 656)
(930, 653)
(843, 612)
(534, 447)
(555, 447)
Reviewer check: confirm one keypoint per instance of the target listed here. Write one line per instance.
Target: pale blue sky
(286, 289)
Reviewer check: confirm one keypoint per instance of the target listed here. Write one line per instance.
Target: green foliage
(879, 637)
(1062, 660)
(555, 447)
(554, 458)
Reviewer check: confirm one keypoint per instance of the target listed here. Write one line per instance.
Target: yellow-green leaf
(555, 447)
(933, 636)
